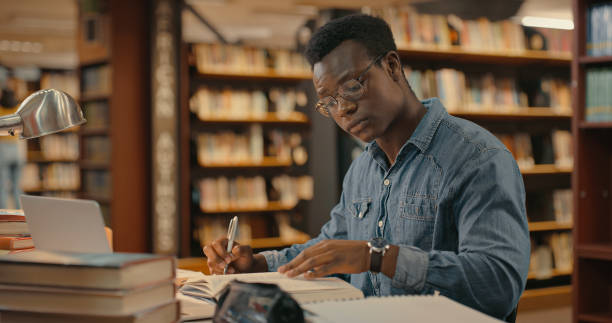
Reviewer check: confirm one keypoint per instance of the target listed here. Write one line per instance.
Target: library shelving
(242, 129)
(592, 177)
(114, 162)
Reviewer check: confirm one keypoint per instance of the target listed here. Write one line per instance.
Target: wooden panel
(541, 298)
(129, 119)
(595, 286)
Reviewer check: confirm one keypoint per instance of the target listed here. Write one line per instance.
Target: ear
(394, 66)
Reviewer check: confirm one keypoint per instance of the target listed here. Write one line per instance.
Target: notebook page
(217, 282)
(396, 309)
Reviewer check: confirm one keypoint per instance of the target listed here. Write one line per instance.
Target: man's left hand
(330, 257)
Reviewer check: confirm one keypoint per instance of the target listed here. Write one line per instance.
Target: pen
(231, 236)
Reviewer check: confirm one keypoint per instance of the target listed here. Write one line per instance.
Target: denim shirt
(454, 203)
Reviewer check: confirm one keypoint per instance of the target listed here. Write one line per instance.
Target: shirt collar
(425, 130)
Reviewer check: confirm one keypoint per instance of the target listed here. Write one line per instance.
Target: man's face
(369, 117)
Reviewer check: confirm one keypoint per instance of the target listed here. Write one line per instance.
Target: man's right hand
(241, 260)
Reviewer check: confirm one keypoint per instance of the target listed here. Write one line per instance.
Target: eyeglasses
(351, 90)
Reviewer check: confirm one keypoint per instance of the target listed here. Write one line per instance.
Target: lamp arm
(10, 125)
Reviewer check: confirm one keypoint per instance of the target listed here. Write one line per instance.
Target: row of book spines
(414, 30)
(598, 105)
(520, 145)
(64, 147)
(554, 252)
(222, 193)
(253, 146)
(219, 57)
(53, 176)
(599, 29)
(210, 228)
(458, 89)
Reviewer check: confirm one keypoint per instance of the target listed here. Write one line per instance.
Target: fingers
(240, 251)
(305, 255)
(215, 255)
(220, 246)
(311, 264)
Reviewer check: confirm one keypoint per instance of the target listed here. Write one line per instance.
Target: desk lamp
(42, 113)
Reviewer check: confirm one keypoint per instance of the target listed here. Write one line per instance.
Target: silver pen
(231, 236)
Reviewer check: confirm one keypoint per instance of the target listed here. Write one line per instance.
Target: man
(435, 203)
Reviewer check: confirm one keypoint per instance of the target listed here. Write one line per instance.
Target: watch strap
(375, 261)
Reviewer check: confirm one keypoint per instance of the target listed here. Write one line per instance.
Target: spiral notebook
(422, 309)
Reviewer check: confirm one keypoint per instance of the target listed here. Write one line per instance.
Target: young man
(435, 203)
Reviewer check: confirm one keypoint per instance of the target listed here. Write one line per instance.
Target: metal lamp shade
(42, 113)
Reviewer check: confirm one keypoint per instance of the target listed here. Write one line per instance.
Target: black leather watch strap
(375, 261)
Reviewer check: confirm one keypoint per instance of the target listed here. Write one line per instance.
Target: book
(85, 300)
(301, 289)
(393, 309)
(15, 242)
(165, 313)
(109, 271)
(12, 222)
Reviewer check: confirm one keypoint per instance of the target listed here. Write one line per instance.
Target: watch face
(378, 243)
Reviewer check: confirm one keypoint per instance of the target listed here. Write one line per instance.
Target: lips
(356, 127)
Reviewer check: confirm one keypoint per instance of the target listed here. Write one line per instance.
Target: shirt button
(380, 223)
(387, 182)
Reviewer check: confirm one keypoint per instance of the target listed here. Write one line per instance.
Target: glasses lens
(351, 90)
(325, 104)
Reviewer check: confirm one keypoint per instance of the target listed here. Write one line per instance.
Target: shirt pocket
(415, 223)
(360, 208)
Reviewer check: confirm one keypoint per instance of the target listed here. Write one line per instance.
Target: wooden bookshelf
(544, 169)
(513, 114)
(270, 207)
(43, 190)
(41, 160)
(555, 273)
(120, 48)
(545, 298)
(268, 76)
(266, 162)
(456, 54)
(294, 118)
(549, 226)
(594, 60)
(592, 184)
(595, 125)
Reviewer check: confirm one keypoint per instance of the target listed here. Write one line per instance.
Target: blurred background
(200, 110)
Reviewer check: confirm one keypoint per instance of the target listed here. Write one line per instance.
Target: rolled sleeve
(411, 269)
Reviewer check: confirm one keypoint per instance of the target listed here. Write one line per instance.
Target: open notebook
(395, 309)
(302, 290)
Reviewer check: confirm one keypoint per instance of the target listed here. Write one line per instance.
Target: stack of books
(14, 232)
(45, 286)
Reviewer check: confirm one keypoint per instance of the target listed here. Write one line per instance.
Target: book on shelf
(60, 147)
(551, 252)
(529, 150)
(96, 81)
(563, 205)
(477, 92)
(85, 300)
(302, 290)
(598, 36)
(220, 58)
(96, 271)
(413, 30)
(64, 81)
(165, 313)
(598, 105)
(223, 193)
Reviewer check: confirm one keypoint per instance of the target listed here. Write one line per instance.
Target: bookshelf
(244, 126)
(592, 177)
(113, 72)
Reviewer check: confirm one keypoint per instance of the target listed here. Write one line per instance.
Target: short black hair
(372, 32)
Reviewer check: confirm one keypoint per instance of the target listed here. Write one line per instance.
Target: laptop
(67, 225)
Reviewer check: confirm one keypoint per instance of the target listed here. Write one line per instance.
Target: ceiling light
(543, 22)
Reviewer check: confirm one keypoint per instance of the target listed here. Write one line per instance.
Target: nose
(345, 107)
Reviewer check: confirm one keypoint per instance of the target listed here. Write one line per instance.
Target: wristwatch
(378, 247)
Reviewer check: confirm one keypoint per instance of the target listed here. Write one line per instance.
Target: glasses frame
(324, 103)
